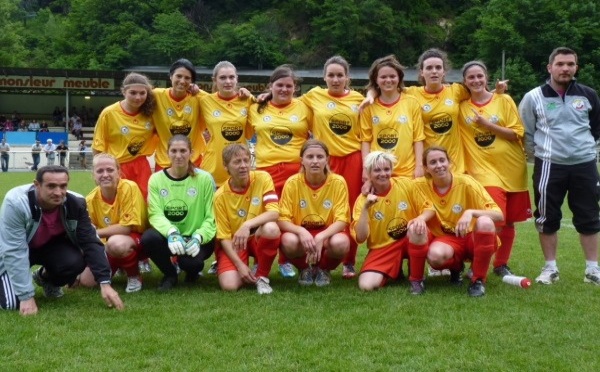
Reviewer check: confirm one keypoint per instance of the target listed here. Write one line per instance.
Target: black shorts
(579, 182)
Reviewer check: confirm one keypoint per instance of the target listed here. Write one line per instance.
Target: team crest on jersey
(449, 102)
(375, 120)
(402, 119)
(578, 104)
(267, 119)
(170, 112)
(469, 120)
(457, 208)
(354, 108)
(107, 221)
(327, 204)
(331, 105)
(124, 130)
(378, 216)
(294, 118)
(216, 113)
(302, 203)
(255, 201)
(244, 112)
(403, 205)
(427, 107)
(148, 125)
(241, 213)
(187, 109)
(494, 119)
(192, 191)
(164, 193)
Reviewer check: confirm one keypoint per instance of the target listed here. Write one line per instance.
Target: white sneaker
(434, 272)
(262, 286)
(213, 269)
(548, 275)
(144, 266)
(592, 275)
(134, 284)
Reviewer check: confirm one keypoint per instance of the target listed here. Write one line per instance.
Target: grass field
(200, 328)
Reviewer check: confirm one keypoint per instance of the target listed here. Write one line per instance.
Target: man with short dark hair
(44, 224)
(562, 125)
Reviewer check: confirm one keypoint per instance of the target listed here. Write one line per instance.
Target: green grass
(337, 328)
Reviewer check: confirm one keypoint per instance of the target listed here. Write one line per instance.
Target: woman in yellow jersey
(335, 123)
(464, 228)
(118, 210)
(178, 112)
(282, 124)
(125, 130)
(392, 220)
(224, 114)
(492, 135)
(393, 123)
(314, 217)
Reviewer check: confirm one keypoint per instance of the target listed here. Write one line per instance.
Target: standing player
(492, 134)
(225, 115)
(393, 123)
(180, 210)
(335, 123)
(246, 212)
(118, 210)
(314, 217)
(125, 130)
(464, 228)
(562, 125)
(392, 220)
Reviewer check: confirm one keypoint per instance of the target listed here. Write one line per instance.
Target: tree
(13, 52)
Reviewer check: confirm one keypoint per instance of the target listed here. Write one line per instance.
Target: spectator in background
(33, 126)
(82, 153)
(44, 127)
(57, 116)
(77, 127)
(22, 126)
(62, 150)
(50, 150)
(4, 155)
(36, 149)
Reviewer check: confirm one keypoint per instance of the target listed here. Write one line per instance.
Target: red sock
(328, 263)
(484, 246)
(350, 258)
(417, 256)
(507, 239)
(129, 264)
(282, 258)
(266, 250)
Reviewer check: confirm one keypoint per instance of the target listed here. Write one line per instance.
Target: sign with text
(46, 82)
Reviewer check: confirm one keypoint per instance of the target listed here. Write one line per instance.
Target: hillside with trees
(115, 34)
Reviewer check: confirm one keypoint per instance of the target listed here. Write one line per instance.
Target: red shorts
(280, 173)
(387, 260)
(463, 247)
(350, 167)
(139, 171)
(226, 264)
(516, 206)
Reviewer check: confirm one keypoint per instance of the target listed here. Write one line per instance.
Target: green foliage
(13, 52)
(521, 77)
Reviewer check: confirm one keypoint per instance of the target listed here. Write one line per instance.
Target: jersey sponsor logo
(164, 193)
(135, 145)
(397, 228)
(441, 124)
(484, 139)
(231, 131)
(327, 204)
(457, 209)
(578, 104)
(281, 135)
(255, 201)
(312, 222)
(180, 127)
(242, 213)
(192, 191)
(403, 205)
(176, 210)
(387, 139)
(447, 229)
(340, 124)
(216, 113)
(124, 130)
(426, 107)
(551, 106)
